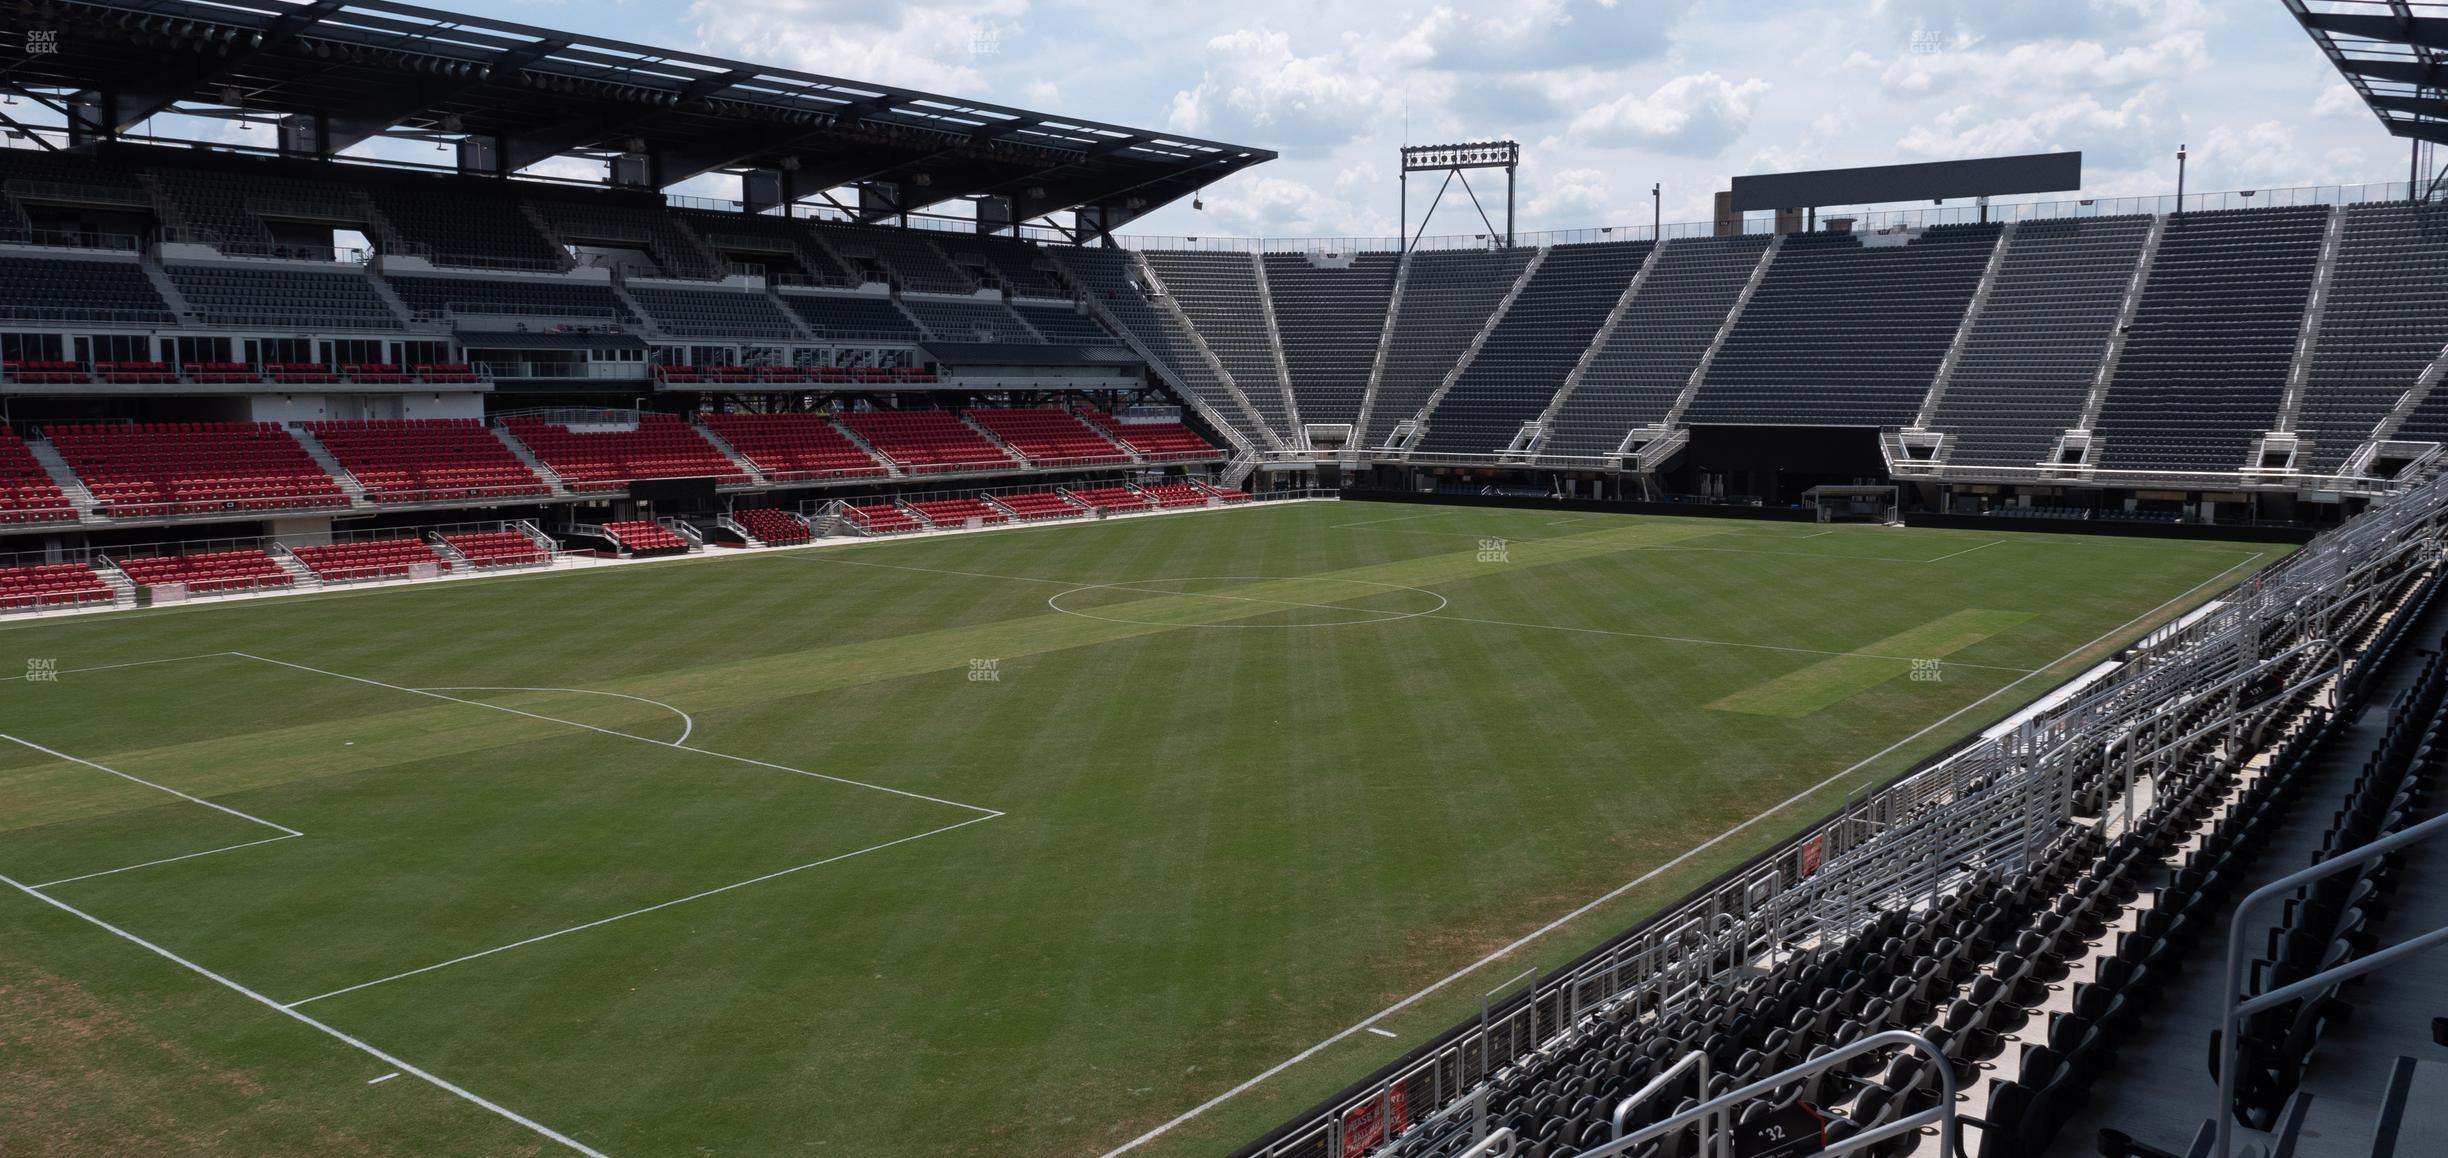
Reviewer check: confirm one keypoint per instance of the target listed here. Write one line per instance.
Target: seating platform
(1171, 496)
(186, 468)
(956, 512)
(427, 460)
(642, 538)
(881, 519)
(1154, 441)
(395, 558)
(51, 585)
(27, 494)
(1228, 494)
(926, 441)
(795, 447)
(1032, 506)
(609, 458)
(208, 572)
(1113, 499)
(486, 550)
(1049, 437)
(772, 527)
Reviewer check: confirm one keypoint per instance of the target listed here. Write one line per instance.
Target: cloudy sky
(1606, 97)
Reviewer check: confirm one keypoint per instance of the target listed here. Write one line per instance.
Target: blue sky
(1606, 97)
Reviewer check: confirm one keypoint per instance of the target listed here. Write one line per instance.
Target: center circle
(1309, 601)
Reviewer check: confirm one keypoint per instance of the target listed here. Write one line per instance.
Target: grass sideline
(1016, 842)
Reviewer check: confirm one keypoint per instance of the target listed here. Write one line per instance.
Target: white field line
(1395, 519)
(978, 808)
(58, 755)
(1965, 551)
(688, 723)
(437, 1082)
(382, 1079)
(1650, 875)
(641, 912)
(1426, 615)
(116, 666)
(167, 860)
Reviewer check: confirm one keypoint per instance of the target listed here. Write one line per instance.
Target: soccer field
(1022, 842)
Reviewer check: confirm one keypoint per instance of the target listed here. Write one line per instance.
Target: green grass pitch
(1024, 842)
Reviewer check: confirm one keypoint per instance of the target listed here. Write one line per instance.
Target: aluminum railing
(1941, 1115)
(2234, 1008)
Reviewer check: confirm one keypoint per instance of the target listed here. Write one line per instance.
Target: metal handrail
(1697, 1058)
(1950, 1136)
(2234, 1010)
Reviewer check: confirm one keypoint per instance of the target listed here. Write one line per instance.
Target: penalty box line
(1568, 918)
(56, 754)
(983, 814)
(672, 744)
(639, 912)
(434, 1080)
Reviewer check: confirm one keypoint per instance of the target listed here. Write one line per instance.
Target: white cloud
(936, 45)
(1608, 95)
(1982, 131)
(1548, 34)
(2339, 99)
(1256, 87)
(1580, 194)
(1274, 206)
(1696, 115)
(2052, 64)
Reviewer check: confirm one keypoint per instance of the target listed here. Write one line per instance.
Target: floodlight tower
(1451, 160)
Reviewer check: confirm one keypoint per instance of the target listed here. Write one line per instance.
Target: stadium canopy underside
(339, 73)
(2392, 52)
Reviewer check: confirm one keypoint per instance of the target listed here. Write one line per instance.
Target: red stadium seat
(393, 558)
(27, 494)
(49, 586)
(424, 460)
(1113, 499)
(1036, 505)
(956, 512)
(927, 441)
(659, 446)
(1050, 437)
(484, 550)
(772, 527)
(1176, 495)
(881, 519)
(208, 572)
(644, 537)
(189, 468)
(794, 447)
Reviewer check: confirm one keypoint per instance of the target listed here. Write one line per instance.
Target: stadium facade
(231, 368)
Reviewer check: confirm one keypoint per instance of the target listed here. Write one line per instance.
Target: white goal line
(388, 1059)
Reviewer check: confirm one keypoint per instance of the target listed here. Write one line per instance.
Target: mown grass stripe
(1832, 681)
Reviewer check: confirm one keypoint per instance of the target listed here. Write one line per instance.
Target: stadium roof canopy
(359, 69)
(2394, 53)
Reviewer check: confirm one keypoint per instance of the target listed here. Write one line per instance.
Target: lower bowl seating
(51, 585)
(208, 572)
